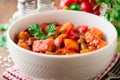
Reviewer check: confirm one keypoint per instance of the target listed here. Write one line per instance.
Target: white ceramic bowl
(58, 67)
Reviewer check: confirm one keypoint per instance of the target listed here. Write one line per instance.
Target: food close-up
(59, 39)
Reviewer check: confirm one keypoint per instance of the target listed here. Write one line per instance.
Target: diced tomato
(82, 29)
(43, 27)
(73, 34)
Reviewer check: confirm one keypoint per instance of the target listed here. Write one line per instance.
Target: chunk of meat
(30, 41)
(23, 44)
(98, 33)
(59, 40)
(92, 34)
(43, 45)
(98, 43)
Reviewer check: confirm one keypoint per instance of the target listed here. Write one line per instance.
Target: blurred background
(8, 7)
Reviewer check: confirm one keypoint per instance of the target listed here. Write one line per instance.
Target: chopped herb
(50, 29)
(41, 36)
(36, 31)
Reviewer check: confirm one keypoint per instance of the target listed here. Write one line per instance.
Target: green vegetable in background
(4, 27)
(3, 41)
(75, 7)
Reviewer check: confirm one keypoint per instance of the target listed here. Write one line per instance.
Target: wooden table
(7, 8)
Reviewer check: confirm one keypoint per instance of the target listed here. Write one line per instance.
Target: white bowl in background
(62, 67)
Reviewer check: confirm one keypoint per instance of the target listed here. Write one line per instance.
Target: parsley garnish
(3, 41)
(50, 29)
(36, 31)
(41, 36)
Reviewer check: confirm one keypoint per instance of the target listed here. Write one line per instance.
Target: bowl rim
(57, 56)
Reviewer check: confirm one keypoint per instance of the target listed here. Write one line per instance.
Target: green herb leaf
(102, 1)
(35, 29)
(3, 27)
(50, 29)
(3, 41)
(107, 15)
(118, 31)
(117, 15)
(41, 36)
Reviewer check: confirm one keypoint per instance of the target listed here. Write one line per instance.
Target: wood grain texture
(7, 8)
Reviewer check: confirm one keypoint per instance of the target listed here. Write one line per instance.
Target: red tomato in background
(69, 2)
(86, 6)
(76, 1)
(97, 9)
